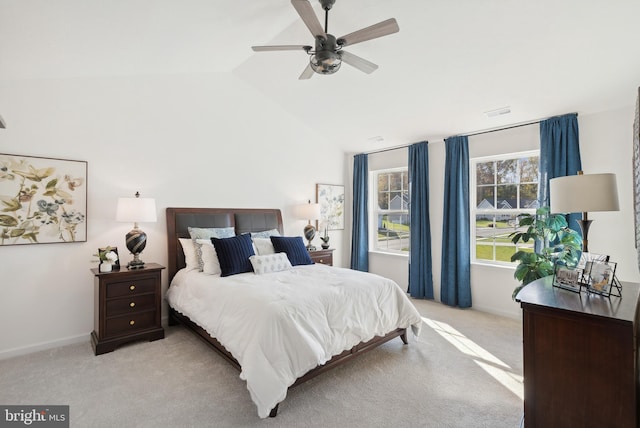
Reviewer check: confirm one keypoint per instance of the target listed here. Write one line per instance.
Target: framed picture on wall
(44, 200)
(331, 200)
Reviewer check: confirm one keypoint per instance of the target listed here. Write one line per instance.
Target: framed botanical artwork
(42, 200)
(567, 278)
(331, 200)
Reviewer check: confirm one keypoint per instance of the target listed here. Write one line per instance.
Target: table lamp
(583, 193)
(309, 212)
(136, 210)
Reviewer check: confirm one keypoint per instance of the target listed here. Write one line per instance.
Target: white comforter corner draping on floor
(281, 325)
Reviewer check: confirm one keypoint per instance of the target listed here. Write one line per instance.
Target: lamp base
(136, 263)
(136, 240)
(309, 234)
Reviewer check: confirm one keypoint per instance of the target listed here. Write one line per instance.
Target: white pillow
(189, 250)
(265, 233)
(263, 246)
(270, 263)
(207, 233)
(210, 262)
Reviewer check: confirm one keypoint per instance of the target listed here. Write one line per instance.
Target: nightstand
(324, 257)
(127, 307)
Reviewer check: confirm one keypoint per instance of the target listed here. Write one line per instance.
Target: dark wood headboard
(244, 220)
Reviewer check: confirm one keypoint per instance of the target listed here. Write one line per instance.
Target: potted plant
(325, 238)
(107, 258)
(557, 243)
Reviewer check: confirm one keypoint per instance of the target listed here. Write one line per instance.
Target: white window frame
(374, 211)
(473, 203)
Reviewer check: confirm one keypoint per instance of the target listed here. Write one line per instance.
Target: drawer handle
(132, 287)
(132, 322)
(132, 304)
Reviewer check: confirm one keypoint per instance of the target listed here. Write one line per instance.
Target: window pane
(529, 169)
(485, 197)
(507, 197)
(529, 196)
(507, 171)
(492, 237)
(485, 173)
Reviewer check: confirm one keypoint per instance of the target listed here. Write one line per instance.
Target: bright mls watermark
(34, 416)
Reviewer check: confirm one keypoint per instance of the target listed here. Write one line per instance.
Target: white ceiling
(451, 61)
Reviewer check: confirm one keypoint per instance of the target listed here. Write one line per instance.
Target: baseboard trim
(43, 346)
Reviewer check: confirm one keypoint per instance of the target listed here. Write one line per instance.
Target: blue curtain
(360, 229)
(455, 286)
(420, 279)
(559, 156)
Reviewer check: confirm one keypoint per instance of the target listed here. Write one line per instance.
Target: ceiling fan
(328, 55)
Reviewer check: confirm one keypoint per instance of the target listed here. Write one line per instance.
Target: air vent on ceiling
(498, 112)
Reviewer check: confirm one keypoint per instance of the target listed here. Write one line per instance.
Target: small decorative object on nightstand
(324, 256)
(127, 306)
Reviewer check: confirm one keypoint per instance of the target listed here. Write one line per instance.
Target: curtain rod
(470, 134)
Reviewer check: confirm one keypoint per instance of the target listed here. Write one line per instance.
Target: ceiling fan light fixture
(325, 62)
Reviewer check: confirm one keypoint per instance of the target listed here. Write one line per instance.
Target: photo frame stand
(614, 290)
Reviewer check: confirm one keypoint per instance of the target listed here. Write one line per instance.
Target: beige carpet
(464, 371)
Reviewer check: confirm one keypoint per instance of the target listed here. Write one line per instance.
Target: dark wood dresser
(127, 307)
(580, 357)
(322, 256)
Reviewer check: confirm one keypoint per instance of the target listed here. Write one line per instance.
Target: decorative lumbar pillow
(294, 247)
(234, 253)
(265, 233)
(263, 246)
(208, 233)
(210, 262)
(270, 263)
(189, 250)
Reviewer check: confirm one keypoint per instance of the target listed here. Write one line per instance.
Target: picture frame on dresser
(567, 277)
(600, 278)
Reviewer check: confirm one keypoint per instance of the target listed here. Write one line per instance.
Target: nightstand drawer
(131, 287)
(130, 323)
(131, 304)
(324, 257)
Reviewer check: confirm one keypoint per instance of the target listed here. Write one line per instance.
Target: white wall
(606, 146)
(185, 140)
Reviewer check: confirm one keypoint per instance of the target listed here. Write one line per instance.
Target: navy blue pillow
(294, 247)
(234, 253)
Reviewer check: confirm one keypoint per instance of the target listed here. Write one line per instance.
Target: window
(391, 210)
(501, 188)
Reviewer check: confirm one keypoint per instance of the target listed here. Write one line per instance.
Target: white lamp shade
(308, 211)
(583, 193)
(136, 210)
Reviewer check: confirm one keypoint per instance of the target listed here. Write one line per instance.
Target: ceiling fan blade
(358, 62)
(374, 31)
(304, 9)
(307, 73)
(280, 48)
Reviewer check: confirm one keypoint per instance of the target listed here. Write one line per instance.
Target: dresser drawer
(130, 323)
(130, 287)
(130, 305)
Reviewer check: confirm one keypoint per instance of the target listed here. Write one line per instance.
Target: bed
(269, 378)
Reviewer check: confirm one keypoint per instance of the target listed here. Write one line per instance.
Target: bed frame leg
(403, 336)
(274, 411)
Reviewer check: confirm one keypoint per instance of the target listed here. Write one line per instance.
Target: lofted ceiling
(452, 60)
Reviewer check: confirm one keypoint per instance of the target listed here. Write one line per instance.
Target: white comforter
(281, 325)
